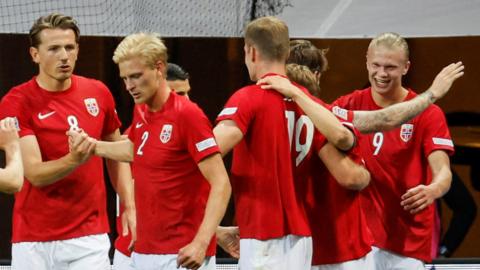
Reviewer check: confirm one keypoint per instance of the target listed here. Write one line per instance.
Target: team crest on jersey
(92, 106)
(406, 132)
(166, 133)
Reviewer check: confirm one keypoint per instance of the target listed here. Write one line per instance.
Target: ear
(161, 67)
(253, 54)
(407, 66)
(34, 55)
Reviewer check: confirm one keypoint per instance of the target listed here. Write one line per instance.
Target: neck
(53, 85)
(389, 98)
(160, 97)
(270, 67)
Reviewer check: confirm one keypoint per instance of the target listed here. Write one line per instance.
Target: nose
(129, 84)
(63, 54)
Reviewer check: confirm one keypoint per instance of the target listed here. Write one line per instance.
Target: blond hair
(270, 36)
(304, 76)
(390, 40)
(147, 46)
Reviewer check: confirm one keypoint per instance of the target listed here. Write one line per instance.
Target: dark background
(217, 70)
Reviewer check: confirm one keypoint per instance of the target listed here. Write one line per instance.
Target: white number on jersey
(73, 122)
(377, 142)
(297, 126)
(144, 140)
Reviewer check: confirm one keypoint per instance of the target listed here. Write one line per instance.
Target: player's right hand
(81, 145)
(228, 238)
(8, 132)
(191, 256)
(444, 80)
(279, 84)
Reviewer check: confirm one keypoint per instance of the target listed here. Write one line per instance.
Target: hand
(228, 238)
(191, 256)
(81, 145)
(8, 132)
(279, 84)
(418, 198)
(444, 80)
(129, 224)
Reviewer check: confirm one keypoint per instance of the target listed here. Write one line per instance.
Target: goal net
(202, 18)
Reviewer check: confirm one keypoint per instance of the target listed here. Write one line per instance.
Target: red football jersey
(262, 180)
(397, 161)
(339, 228)
(170, 191)
(74, 206)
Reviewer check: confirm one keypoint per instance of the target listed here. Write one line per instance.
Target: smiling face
(141, 81)
(386, 66)
(55, 55)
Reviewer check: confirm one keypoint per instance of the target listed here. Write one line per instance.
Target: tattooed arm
(392, 116)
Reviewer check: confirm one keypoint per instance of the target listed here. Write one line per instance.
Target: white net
(222, 18)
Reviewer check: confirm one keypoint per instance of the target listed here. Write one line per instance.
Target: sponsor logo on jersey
(442, 141)
(406, 132)
(228, 111)
(92, 106)
(205, 144)
(166, 133)
(138, 125)
(42, 116)
(339, 112)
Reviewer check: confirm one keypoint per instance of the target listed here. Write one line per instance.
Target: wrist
(430, 96)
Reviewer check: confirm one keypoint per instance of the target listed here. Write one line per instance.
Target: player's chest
(399, 142)
(156, 141)
(60, 115)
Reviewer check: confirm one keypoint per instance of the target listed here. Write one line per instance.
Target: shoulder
(91, 83)
(21, 92)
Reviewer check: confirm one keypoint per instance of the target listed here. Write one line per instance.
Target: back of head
(303, 52)
(390, 40)
(147, 46)
(52, 21)
(176, 72)
(304, 76)
(270, 36)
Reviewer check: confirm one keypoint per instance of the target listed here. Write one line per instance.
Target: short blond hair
(270, 36)
(392, 41)
(304, 76)
(147, 46)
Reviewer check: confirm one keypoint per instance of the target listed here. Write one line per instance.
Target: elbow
(14, 185)
(357, 181)
(344, 140)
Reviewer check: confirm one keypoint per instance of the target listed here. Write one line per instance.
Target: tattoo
(392, 116)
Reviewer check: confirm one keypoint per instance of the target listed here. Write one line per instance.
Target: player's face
(386, 66)
(141, 81)
(181, 87)
(56, 54)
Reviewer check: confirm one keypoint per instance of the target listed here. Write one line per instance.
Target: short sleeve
(240, 108)
(436, 135)
(14, 105)
(111, 122)
(197, 133)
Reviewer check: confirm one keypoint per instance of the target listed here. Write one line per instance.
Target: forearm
(325, 122)
(121, 177)
(392, 116)
(441, 181)
(117, 150)
(45, 173)
(214, 211)
(11, 177)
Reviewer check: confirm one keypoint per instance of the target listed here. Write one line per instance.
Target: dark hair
(52, 21)
(303, 52)
(176, 72)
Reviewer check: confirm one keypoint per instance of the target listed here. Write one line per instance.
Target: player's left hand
(418, 198)
(279, 84)
(129, 224)
(191, 256)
